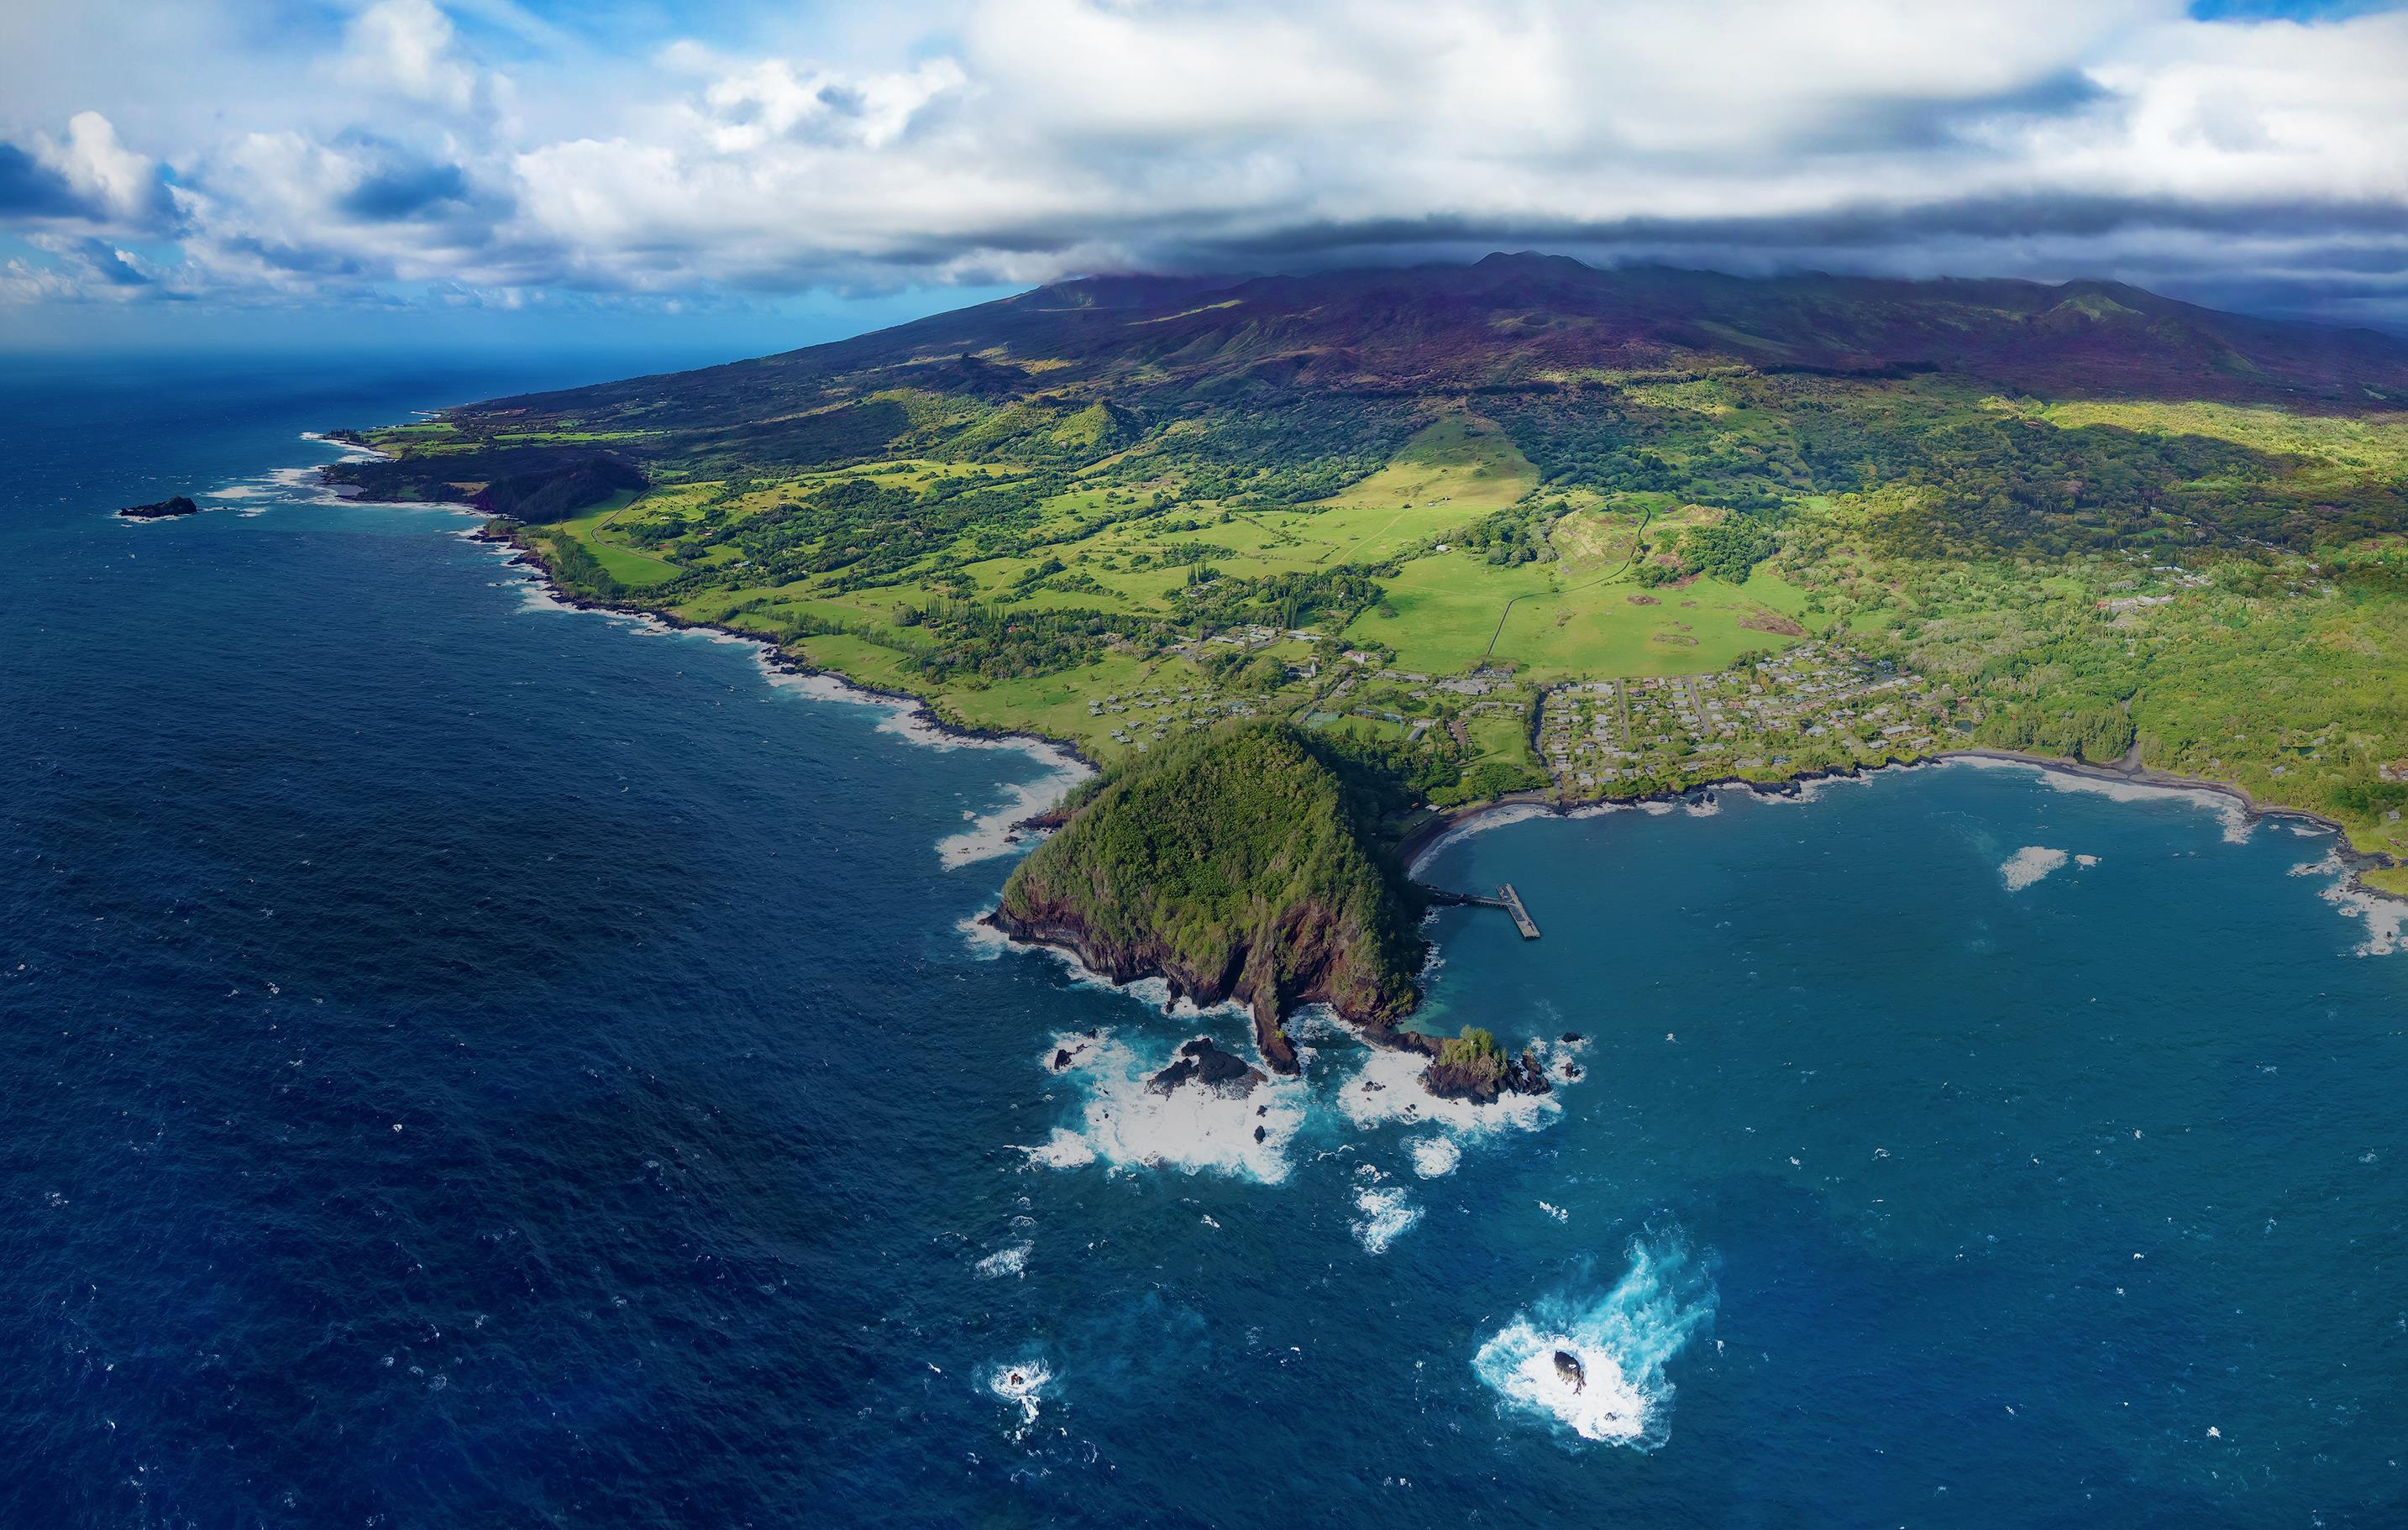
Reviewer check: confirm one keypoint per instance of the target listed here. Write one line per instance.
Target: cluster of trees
(1312, 447)
(573, 564)
(1730, 548)
(1983, 478)
(2089, 730)
(865, 530)
(1517, 534)
(989, 642)
(1333, 596)
(1240, 850)
(1476, 1054)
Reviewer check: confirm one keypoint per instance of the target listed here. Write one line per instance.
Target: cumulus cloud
(409, 48)
(81, 269)
(86, 177)
(2260, 162)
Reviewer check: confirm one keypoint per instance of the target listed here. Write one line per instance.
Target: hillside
(1509, 322)
(1235, 863)
(1526, 526)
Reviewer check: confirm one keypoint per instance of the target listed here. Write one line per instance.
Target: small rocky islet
(164, 509)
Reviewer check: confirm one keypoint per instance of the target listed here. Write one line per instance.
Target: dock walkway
(1522, 919)
(1506, 898)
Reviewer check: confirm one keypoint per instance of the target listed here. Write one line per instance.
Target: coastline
(922, 710)
(1425, 838)
(1419, 842)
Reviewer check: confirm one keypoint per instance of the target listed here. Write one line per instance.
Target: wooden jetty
(1522, 919)
(1506, 898)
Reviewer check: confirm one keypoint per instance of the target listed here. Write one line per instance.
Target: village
(1818, 705)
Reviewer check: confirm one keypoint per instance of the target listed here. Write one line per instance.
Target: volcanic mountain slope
(1507, 324)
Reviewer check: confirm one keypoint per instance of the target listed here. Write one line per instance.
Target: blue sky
(490, 172)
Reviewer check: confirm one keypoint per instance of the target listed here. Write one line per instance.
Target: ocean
(472, 1062)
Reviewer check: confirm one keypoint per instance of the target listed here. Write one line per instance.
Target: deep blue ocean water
(472, 1064)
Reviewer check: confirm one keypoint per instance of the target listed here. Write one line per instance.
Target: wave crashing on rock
(1621, 1342)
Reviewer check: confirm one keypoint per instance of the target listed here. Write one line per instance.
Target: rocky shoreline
(774, 657)
(1269, 1004)
(1422, 837)
(1521, 1075)
(1426, 835)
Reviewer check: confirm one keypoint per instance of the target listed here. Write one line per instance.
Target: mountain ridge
(1528, 321)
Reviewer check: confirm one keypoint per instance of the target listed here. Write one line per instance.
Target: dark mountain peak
(1524, 321)
(1115, 293)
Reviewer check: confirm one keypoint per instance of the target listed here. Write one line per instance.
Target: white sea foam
(2384, 918)
(536, 596)
(1065, 1149)
(989, 834)
(1435, 1157)
(1387, 1211)
(1011, 1259)
(985, 941)
(1153, 992)
(1807, 790)
(2086, 861)
(352, 450)
(2235, 816)
(1022, 1383)
(1192, 1128)
(1621, 1341)
(2028, 865)
(992, 833)
(1388, 1091)
(1562, 1066)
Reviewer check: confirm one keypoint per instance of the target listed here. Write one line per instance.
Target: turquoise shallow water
(731, 1185)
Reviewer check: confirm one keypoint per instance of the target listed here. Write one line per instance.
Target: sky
(501, 172)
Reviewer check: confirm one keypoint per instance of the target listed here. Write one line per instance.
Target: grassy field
(1449, 609)
(625, 564)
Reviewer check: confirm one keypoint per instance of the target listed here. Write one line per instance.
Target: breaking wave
(1194, 1128)
(1387, 1211)
(1621, 1342)
(1022, 1383)
(2382, 917)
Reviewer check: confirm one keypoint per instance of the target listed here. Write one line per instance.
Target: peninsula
(1307, 563)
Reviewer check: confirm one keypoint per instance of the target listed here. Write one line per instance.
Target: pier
(1522, 919)
(1506, 898)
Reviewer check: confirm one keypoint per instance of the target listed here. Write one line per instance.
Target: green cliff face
(1237, 863)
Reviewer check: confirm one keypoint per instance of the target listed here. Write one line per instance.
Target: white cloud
(125, 183)
(1026, 139)
(755, 105)
(409, 47)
